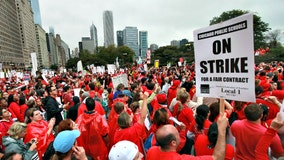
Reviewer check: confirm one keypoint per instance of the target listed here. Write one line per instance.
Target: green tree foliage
(275, 54)
(167, 54)
(103, 57)
(259, 27)
(273, 38)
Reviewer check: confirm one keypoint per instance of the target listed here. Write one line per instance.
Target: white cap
(123, 150)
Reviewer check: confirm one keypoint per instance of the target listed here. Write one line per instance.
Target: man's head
(168, 138)
(90, 104)
(124, 120)
(253, 112)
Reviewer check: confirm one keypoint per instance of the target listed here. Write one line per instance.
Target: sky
(165, 20)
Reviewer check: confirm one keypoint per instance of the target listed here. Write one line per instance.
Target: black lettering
(226, 45)
(203, 66)
(244, 64)
(227, 68)
(234, 65)
(219, 66)
(216, 47)
(211, 65)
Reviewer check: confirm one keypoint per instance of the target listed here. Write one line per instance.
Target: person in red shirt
(5, 123)
(134, 133)
(205, 144)
(168, 139)
(13, 106)
(172, 91)
(267, 138)
(94, 132)
(118, 108)
(248, 132)
(40, 129)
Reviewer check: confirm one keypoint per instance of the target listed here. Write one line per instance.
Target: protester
(37, 127)
(5, 123)
(94, 132)
(248, 132)
(125, 150)
(168, 139)
(14, 142)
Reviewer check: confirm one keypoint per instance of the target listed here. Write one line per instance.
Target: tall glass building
(143, 43)
(108, 28)
(36, 10)
(94, 35)
(130, 39)
(119, 35)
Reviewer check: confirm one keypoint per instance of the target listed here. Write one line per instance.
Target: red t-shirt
(202, 144)
(155, 153)
(98, 107)
(134, 134)
(247, 135)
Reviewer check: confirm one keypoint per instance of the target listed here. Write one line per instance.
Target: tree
(259, 27)
(273, 38)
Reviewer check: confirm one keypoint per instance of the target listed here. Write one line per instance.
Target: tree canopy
(259, 27)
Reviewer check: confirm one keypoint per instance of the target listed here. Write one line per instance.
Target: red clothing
(23, 109)
(67, 97)
(4, 127)
(134, 134)
(273, 108)
(38, 130)
(186, 116)
(98, 107)
(114, 126)
(172, 92)
(93, 128)
(15, 110)
(110, 101)
(193, 128)
(202, 147)
(263, 144)
(155, 153)
(247, 135)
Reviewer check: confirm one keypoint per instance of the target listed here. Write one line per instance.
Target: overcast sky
(165, 20)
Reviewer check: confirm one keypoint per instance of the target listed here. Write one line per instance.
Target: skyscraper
(143, 43)
(36, 10)
(11, 54)
(119, 36)
(94, 35)
(27, 29)
(130, 39)
(108, 28)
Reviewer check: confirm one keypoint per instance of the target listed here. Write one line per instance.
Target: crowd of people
(155, 116)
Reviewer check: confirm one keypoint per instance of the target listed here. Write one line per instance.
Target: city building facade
(108, 28)
(42, 52)
(94, 35)
(143, 43)
(130, 39)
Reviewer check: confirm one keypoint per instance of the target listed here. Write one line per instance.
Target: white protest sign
(79, 66)
(111, 68)
(116, 80)
(2, 75)
(77, 91)
(225, 60)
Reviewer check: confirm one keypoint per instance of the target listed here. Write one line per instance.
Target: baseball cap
(127, 93)
(123, 150)
(65, 140)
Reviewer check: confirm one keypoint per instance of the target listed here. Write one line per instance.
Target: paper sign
(175, 121)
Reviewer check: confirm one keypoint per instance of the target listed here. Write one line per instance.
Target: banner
(116, 80)
(34, 63)
(225, 61)
(79, 66)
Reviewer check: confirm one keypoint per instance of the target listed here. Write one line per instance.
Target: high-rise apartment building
(94, 35)
(153, 47)
(143, 43)
(11, 54)
(175, 43)
(43, 55)
(27, 29)
(36, 10)
(108, 28)
(130, 39)
(88, 44)
(119, 36)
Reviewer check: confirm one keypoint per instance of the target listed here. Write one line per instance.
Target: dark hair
(92, 86)
(1, 111)
(123, 120)
(30, 113)
(161, 117)
(214, 111)
(134, 85)
(201, 115)
(22, 100)
(253, 112)
(213, 134)
(164, 141)
(65, 124)
(265, 111)
(10, 99)
(118, 107)
(90, 104)
(150, 85)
